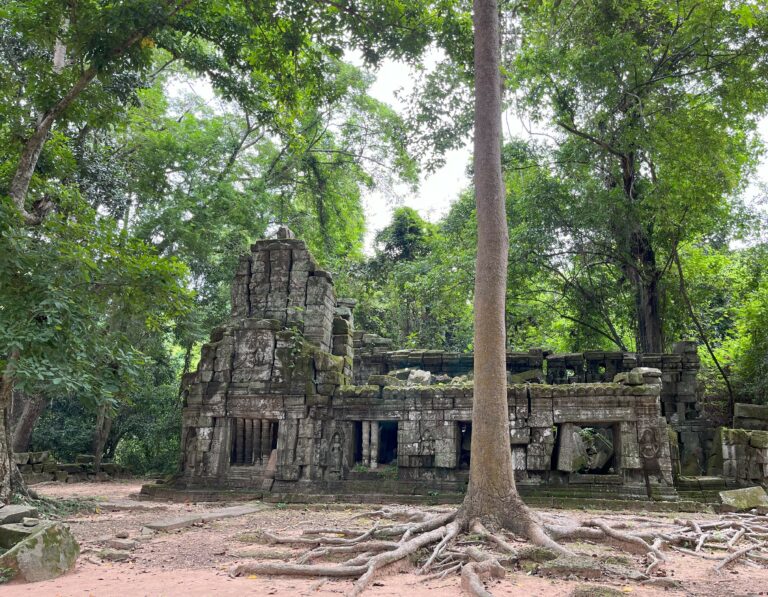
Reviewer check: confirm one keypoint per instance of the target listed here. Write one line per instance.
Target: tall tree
(492, 496)
(653, 105)
(491, 489)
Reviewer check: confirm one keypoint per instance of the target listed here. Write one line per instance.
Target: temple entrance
(252, 441)
(357, 439)
(387, 442)
(464, 444)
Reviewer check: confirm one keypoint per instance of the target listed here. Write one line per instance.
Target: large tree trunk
(6, 443)
(27, 409)
(644, 275)
(492, 495)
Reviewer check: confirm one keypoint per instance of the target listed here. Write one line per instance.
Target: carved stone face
(427, 444)
(336, 455)
(649, 444)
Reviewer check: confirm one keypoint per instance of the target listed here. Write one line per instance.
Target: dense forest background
(635, 220)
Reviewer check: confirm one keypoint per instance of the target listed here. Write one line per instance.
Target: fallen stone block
(595, 591)
(16, 513)
(37, 457)
(743, 499)
(48, 551)
(114, 555)
(582, 567)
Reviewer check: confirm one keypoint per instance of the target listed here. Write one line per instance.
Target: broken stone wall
(286, 349)
(429, 419)
(744, 456)
(271, 406)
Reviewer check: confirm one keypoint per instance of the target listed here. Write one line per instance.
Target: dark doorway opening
(252, 440)
(464, 443)
(357, 436)
(387, 442)
(273, 432)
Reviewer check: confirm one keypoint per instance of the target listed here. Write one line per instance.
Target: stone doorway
(387, 442)
(464, 444)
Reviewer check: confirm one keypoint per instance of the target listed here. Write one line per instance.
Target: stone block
(11, 513)
(744, 499)
(49, 551)
(758, 439)
(520, 436)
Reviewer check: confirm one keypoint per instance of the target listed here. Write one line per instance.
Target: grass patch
(58, 508)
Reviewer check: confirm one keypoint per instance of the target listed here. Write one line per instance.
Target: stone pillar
(266, 440)
(257, 441)
(374, 444)
(248, 442)
(366, 443)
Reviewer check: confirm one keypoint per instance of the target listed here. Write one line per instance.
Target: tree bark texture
(27, 409)
(6, 441)
(491, 494)
(33, 147)
(100, 435)
(644, 275)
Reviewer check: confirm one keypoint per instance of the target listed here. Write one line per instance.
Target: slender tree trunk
(100, 435)
(25, 418)
(644, 275)
(492, 494)
(30, 154)
(6, 443)
(703, 335)
(35, 143)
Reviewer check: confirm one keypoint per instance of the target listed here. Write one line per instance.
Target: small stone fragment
(114, 555)
(126, 544)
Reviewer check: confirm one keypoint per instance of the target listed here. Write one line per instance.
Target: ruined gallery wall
(273, 400)
(428, 430)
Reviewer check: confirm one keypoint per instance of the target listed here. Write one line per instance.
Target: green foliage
(654, 137)
(76, 293)
(65, 429)
(155, 192)
(417, 288)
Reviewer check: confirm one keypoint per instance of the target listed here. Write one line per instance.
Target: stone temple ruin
(290, 400)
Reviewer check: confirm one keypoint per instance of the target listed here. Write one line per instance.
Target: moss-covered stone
(534, 553)
(47, 553)
(735, 436)
(582, 566)
(715, 460)
(758, 439)
(744, 499)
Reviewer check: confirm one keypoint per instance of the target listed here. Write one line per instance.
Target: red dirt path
(194, 562)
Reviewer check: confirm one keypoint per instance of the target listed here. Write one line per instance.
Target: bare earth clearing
(195, 561)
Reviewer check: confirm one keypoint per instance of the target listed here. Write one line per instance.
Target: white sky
(437, 191)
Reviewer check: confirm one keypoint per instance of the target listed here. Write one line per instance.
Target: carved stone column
(374, 444)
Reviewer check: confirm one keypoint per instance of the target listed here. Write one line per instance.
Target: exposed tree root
(736, 555)
(447, 543)
(483, 566)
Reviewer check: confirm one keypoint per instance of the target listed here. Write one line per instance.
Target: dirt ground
(194, 561)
